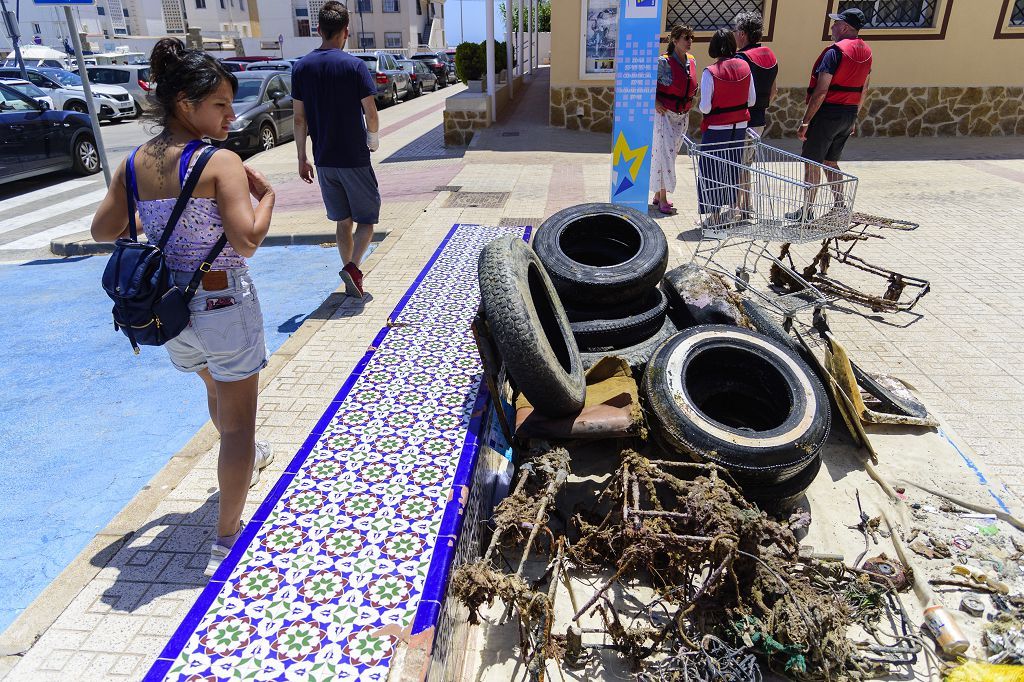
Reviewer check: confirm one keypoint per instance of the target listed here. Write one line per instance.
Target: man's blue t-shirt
(331, 85)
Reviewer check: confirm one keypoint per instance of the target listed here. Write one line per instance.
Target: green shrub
(470, 62)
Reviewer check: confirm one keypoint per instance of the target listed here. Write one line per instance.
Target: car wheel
(394, 94)
(76, 106)
(85, 157)
(138, 110)
(530, 328)
(601, 254)
(738, 399)
(268, 138)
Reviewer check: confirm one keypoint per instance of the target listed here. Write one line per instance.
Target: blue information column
(636, 73)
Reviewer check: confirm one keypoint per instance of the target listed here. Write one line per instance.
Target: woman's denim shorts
(228, 339)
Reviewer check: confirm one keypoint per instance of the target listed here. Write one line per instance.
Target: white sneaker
(219, 552)
(800, 215)
(264, 456)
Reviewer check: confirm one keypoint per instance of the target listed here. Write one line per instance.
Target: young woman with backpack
(223, 341)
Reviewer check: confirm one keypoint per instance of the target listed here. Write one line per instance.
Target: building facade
(399, 25)
(941, 67)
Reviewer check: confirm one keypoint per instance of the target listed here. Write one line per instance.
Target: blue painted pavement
(84, 424)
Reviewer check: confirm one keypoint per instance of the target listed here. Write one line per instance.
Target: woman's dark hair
(723, 44)
(750, 23)
(678, 31)
(180, 72)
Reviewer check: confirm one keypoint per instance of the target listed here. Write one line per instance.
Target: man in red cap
(834, 97)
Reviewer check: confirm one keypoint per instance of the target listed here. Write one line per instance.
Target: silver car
(134, 78)
(112, 101)
(392, 82)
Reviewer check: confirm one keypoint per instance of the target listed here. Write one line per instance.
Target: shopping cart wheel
(742, 275)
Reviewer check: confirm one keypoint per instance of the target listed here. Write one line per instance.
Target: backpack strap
(186, 158)
(132, 190)
(186, 194)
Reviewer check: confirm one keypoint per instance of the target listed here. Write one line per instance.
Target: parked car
(420, 74)
(133, 78)
(232, 67)
(436, 64)
(26, 88)
(449, 60)
(392, 82)
(65, 87)
(266, 114)
(236, 64)
(272, 65)
(35, 139)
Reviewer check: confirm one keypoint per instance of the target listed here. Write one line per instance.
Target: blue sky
(473, 18)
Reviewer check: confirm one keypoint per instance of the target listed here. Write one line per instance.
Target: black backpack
(148, 307)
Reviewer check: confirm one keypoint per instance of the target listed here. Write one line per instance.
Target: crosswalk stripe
(40, 194)
(34, 241)
(50, 212)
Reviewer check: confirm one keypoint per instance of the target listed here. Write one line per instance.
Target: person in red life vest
(764, 67)
(677, 86)
(836, 91)
(726, 95)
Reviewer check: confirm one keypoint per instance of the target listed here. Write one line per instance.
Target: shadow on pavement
(427, 147)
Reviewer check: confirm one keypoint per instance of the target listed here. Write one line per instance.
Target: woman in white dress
(677, 86)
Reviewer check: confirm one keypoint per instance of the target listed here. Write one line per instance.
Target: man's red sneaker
(353, 279)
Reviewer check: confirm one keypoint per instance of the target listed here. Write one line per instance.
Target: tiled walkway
(351, 549)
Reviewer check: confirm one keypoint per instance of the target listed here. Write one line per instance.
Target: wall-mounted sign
(599, 32)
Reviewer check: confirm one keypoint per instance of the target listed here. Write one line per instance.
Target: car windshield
(28, 89)
(425, 57)
(248, 90)
(65, 78)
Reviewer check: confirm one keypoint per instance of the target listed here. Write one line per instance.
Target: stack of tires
(742, 400)
(605, 262)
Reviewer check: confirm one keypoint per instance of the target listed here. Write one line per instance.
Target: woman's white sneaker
(264, 456)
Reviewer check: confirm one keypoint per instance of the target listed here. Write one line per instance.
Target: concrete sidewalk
(109, 615)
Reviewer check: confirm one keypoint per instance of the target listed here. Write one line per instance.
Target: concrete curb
(67, 247)
(44, 610)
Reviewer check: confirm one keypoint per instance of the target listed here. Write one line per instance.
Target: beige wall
(968, 54)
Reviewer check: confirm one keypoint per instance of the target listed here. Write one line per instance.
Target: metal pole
(15, 32)
(509, 75)
(491, 77)
(89, 101)
(519, 36)
(462, 29)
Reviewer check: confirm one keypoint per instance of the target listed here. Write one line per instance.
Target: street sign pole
(15, 33)
(89, 101)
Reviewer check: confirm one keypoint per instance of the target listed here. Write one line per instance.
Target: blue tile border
(433, 589)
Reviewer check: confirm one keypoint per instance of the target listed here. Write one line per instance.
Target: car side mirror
(44, 105)
(275, 94)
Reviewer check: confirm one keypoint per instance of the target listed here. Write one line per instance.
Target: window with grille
(894, 13)
(1017, 16)
(391, 6)
(302, 28)
(708, 15)
(367, 41)
(393, 41)
(200, 4)
(364, 6)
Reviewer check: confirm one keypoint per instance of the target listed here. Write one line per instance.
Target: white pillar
(533, 35)
(519, 35)
(491, 76)
(508, 48)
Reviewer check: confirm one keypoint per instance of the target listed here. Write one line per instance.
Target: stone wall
(888, 111)
(459, 126)
(597, 103)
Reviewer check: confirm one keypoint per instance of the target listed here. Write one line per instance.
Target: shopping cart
(751, 195)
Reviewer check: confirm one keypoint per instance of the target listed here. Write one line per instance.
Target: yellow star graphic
(622, 152)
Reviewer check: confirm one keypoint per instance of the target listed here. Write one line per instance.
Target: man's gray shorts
(350, 193)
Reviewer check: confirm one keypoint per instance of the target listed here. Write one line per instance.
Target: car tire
(739, 399)
(783, 496)
(602, 254)
(267, 139)
(530, 328)
(138, 111)
(394, 95)
(76, 106)
(85, 157)
(619, 328)
(637, 355)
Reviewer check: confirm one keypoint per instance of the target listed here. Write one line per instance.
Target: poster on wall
(636, 70)
(600, 34)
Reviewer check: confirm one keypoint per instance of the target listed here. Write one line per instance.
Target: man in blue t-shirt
(333, 92)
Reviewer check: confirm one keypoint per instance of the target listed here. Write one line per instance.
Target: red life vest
(847, 86)
(764, 67)
(678, 97)
(731, 93)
